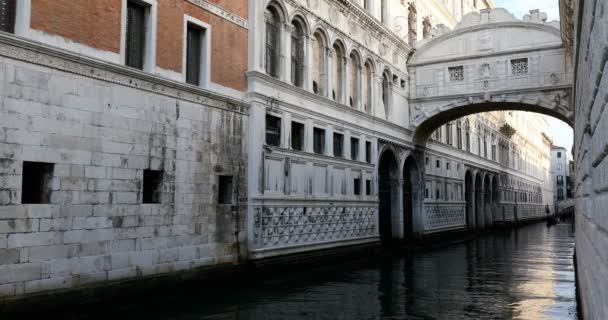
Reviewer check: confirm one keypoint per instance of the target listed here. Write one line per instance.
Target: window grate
(8, 9)
(519, 66)
(273, 130)
(136, 18)
(456, 73)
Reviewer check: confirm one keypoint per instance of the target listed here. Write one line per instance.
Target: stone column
(306, 70)
(397, 208)
(286, 61)
(326, 78)
(343, 96)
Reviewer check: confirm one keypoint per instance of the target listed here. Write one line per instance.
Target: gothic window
(353, 80)
(456, 73)
(449, 134)
(337, 74)
(8, 9)
(272, 42)
(467, 140)
(135, 35)
(386, 92)
(297, 54)
(426, 28)
(459, 134)
(411, 25)
(194, 53)
(273, 130)
(485, 147)
(319, 140)
(367, 87)
(318, 63)
(519, 66)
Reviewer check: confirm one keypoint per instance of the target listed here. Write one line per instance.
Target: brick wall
(97, 24)
(591, 159)
(101, 136)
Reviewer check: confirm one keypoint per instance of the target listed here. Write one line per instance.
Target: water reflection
(519, 274)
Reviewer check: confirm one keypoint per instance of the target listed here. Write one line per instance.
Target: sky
(560, 131)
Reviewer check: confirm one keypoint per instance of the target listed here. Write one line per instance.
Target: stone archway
(411, 196)
(469, 187)
(388, 185)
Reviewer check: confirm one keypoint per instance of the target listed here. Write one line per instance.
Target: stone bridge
(491, 61)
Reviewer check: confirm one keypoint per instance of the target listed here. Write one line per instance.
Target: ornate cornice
(20, 49)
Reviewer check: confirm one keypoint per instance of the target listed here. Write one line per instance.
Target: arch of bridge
(474, 68)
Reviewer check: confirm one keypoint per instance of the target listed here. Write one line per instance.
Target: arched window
(354, 69)
(386, 92)
(467, 129)
(297, 54)
(318, 63)
(273, 46)
(459, 134)
(367, 87)
(337, 74)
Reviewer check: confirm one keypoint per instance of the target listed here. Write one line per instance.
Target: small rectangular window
(456, 73)
(36, 182)
(153, 180)
(368, 187)
(297, 136)
(338, 145)
(426, 193)
(273, 130)
(194, 54)
(438, 163)
(136, 35)
(319, 140)
(447, 166)
(519, 66)
(354, 148)
(8, 10)
(357, 186)
(224, 190)
(368, 152)
(559, 154)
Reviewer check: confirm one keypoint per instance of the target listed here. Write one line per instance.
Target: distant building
(560, 169)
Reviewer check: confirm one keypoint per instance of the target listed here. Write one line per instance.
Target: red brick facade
(97, 23)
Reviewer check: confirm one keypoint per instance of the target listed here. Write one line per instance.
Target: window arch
(367, 86)
(386, 92)
(273, 41)
(319, 49)
(337, 73)
(354, 69)
(297, 53)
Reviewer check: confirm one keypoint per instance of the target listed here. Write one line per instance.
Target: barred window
(136, 35)
(519, 66)
(8, 9)
(297, 55)
(338, 145)
(273, 130)
(272, 42)
(456, 73)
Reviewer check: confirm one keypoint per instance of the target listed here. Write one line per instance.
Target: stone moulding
(43, 55)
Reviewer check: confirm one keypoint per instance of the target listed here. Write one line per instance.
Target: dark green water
(526, 273)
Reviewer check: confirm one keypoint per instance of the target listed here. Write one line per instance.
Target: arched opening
(387, 176)
(297, 54)
(487, 201)
(354, 68)
(367, 86)
(273, 41)
(470, 200)
(479, 202)
(386, 93)
(337, 75)
(318, 63)
(411, 195)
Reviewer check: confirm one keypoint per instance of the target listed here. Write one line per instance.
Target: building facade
(122, 147)
(560, 168)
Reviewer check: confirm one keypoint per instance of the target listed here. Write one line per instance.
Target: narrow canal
(525, 273)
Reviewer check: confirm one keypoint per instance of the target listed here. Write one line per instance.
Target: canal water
(524, 273)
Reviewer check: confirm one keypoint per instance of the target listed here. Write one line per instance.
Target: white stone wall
(591, 159)
(101, 125)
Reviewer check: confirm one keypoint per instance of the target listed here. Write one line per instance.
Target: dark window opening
(272, 43)
(297, 56)
(350, 101)
(297, 136)
(338, 145)
(153, 180)
(354, 149)
(368, 187)
(426, 193)
(559, 154)
(8, 10)
(136, 32)
(194, 54)
(319, 140)
(333, 95)
(438, 163)
(357, 186)
(224, 190)
(273, 130)
(437, 194)
(315, 87)
(368, 152)
(37, 182)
